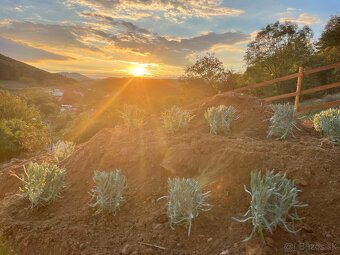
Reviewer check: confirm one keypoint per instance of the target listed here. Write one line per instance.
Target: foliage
(283, 120)
(185, 200)
(220, 118)
(328, 122)
(176, 119)
(21, 126)
(62, 150)
(330, 37)
(273, 197)
(210, 70)
(133, 117)
(4, 247)
(42, 183)
(108, 190)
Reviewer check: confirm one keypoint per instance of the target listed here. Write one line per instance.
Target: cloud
(302, 19)
(26, 53)
(173, 10)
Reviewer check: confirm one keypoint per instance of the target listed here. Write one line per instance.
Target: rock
(125, 249)
(226, 252)
(301, 182)
(209, 239)
(157, 226)
(82, 246)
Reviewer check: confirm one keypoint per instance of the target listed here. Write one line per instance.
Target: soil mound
(148, 157)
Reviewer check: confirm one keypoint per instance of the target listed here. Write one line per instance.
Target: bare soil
(149, 157)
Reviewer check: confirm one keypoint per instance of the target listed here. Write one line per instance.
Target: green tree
(21, 127)
(278, 49)
(210, 70)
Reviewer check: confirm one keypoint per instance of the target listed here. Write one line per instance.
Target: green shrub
(273, 197)
(133, 117)
(185, 200)
(328, 123)
(62, 150)
(42, 183)
(108, 190)
(283, 120)
(176, 119)
(220, 118)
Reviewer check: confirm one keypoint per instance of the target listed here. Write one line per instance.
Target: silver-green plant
(42, 183)
(328, 123)
(62, 150)
(133, 117)
(108, 190)
(220, 118)
(282, 121)
(176, 119)
(184, 201)
(273, 203)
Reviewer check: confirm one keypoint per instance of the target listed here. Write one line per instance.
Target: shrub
(62, 150)
(283, 120)
(220, 118)
(108, 190)
(185, 199)
(176, 119)
(42, 183)
(273, 196)
(328, 122)
(133, 117)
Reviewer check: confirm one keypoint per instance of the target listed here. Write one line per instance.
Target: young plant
(185, 200)
(176, 119)
(328, 123)
(62, 150)
(220, 118)
(108, 190)
(133, 117)
(273, 202)
(42, 183)
(283, 120)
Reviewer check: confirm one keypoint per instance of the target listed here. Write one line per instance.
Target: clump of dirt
(149, 157)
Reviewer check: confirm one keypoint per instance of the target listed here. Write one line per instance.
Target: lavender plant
(133, 117)
(176, 119)
(42, 183)
(273, 202)
(108, 190)
(62, 150)
(328, 123)
(220, 118)
(283, 121)
(184, 201)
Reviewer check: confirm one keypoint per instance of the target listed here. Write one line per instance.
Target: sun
(138, 71)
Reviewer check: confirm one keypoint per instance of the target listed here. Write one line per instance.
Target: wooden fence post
(298, 90)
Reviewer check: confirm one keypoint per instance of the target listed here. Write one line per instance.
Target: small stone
(209, 239)
(125, 249)
(226, 252)
(157, 226)
(301, 182)
(82, 246)
(328, 235)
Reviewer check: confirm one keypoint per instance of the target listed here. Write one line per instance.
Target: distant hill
(13, 70)
(75, 76)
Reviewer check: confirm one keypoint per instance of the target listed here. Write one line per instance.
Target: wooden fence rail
(299, 91)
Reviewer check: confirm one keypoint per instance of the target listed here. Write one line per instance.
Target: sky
(105, 38)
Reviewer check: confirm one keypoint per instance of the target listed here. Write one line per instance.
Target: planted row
(273, 197)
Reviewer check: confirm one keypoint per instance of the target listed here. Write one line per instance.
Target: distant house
(57, 92)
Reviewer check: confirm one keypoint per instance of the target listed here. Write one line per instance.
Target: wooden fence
(299, 91)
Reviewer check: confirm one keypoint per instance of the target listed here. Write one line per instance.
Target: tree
(278, 49)
(21, 126)
(210, 70)
(329, 42)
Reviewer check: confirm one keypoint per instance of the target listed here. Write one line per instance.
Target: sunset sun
(138, 71)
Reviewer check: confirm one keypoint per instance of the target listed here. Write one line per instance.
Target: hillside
(148, 158)
(75, 76)
(13, 70)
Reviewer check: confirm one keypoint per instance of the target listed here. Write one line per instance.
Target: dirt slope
(148, 158)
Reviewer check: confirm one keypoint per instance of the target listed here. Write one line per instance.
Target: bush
(328, 122)
(108, 190)
(220, 118)
(176, 119)
(42, 183)
(132, 116)
(273, 196)
(62, 150)
(283, 120)
(185, 199)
